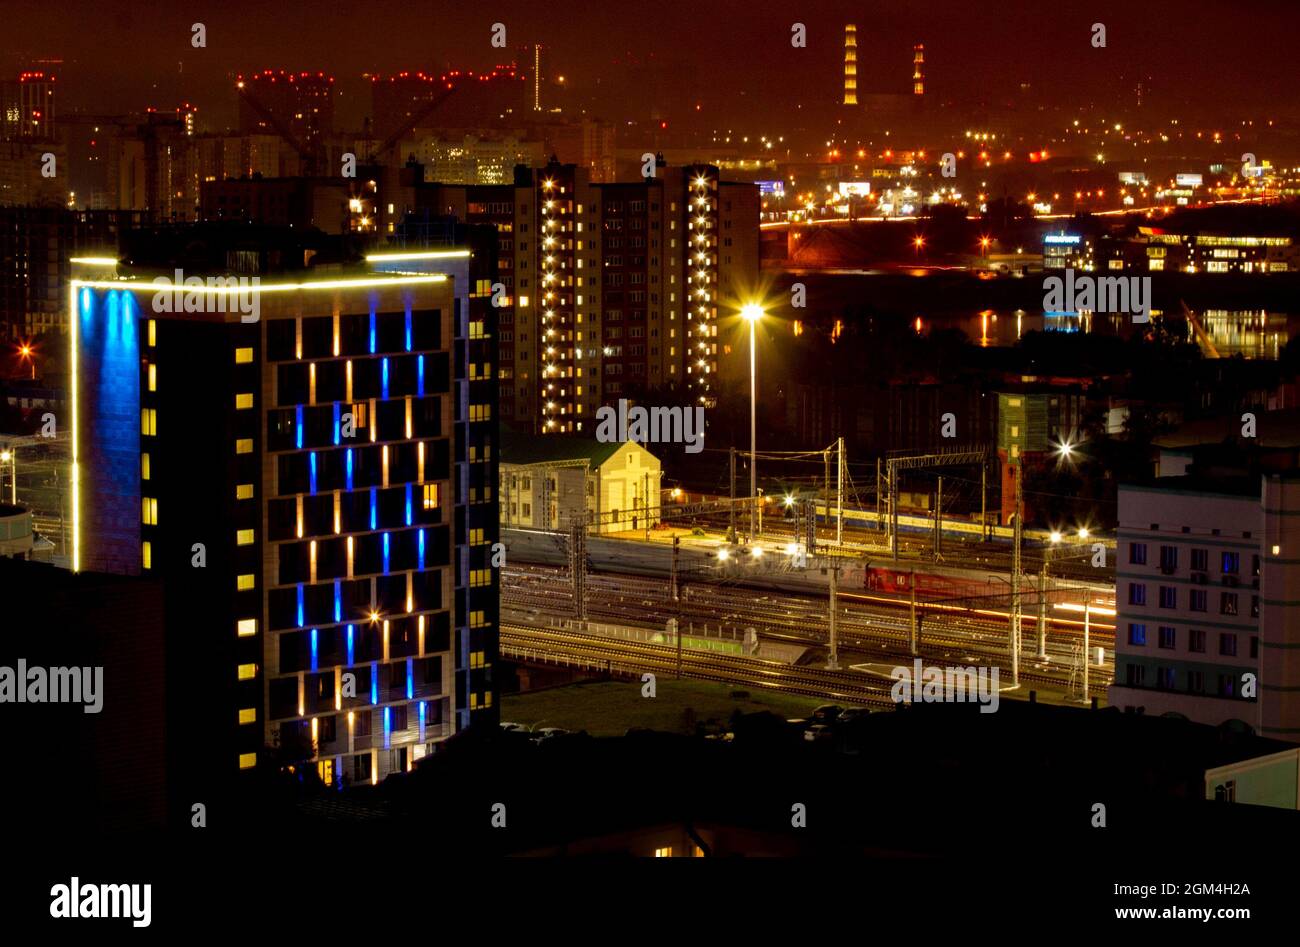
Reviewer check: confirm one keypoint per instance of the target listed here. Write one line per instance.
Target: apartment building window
(244, 537)
(1168, 596)
(1227, 644)
(1137, 554)
(1195, 682)
(244, 582)
(1168, 559)
(1227, 603)
(1227, 685)
(153, 332)
(244, 445)
(246, 627)
(1198, 600)
(1167, 637)
(1137, 634)
(249, 760)
(144, 466)
(1165, 679)
(153, 377)
(247, 672)
(146, 554)
(1135, 675)
(1200, 560)
(430, 496)
(243, 400)
(243, 356)
(1254, 606)
(1137, 593)
(480, 577)
(248, 715)
(1196, 641)
(149, 511)
(244, 491)
(149, 422)
(1231, 563)
(480, 412)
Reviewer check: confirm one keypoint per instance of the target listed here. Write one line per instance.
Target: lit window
(244, 445)
(153, 377)
(477, 619)
(247, 672)
(144, 466)
(664, 852)
(153, 332)
(243, 356)
(244, 582)
(243, 537)
(247, 760)
(248, 715)
(149, 511)
(149, 422)
(243, 401)
(476, 537)
(244, 491)
(146, 551)
(480, 577)
(430, 496)
(246, 627)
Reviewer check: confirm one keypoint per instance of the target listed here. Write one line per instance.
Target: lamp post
(1088, 610)
(751, 314)
(10, 456)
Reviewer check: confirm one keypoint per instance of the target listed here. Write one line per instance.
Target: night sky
(734, 58)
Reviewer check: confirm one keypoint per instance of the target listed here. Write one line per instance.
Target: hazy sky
(736, 57)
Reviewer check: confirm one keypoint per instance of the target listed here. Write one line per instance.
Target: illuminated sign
(1068, 238)
(855, 188)
(776, 188)
(1132, 177)
(1187, 180)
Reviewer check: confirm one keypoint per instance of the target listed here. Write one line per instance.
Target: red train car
(930, 586)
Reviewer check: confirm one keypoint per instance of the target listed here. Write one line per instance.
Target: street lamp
(10, 457)
(751, 313)
(25, 352)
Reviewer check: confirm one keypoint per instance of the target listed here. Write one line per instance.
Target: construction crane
(391, 141)
(311, 152)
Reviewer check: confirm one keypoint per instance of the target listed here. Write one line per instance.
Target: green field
(609, 708)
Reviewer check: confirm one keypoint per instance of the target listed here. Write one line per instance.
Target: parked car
(513, 727)
(826, 713)
(548, 733)
(817, 733)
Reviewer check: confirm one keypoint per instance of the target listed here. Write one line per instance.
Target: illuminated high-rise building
(918, 69)
(850, 64)
(610, 289)
(276, 102)
(313, 487)
(27, 107)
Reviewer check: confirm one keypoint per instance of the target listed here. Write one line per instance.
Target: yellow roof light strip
(136, 285)
(94, 260)
(416, 255)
